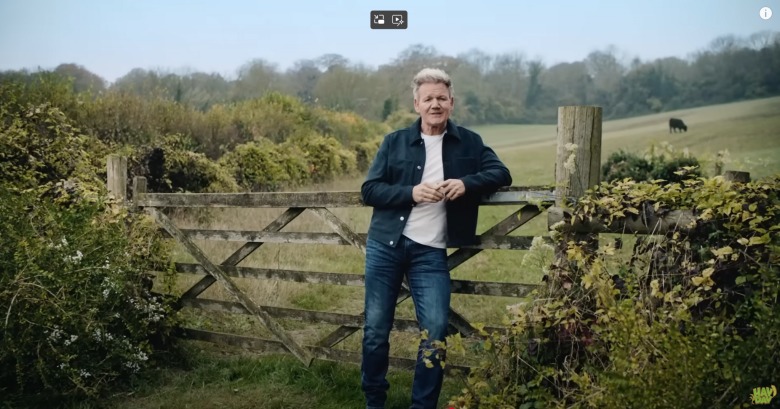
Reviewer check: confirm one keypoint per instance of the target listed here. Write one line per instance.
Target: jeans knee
(376, 334)
(436, 331)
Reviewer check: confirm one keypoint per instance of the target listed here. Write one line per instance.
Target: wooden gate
(530, 201)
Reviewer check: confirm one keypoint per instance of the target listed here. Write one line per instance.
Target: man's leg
(429, 280)
(384, 274)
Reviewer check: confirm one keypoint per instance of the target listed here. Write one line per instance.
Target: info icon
(389, 19)
(765, 13)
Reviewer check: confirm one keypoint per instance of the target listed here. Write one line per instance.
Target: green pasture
(749, 131)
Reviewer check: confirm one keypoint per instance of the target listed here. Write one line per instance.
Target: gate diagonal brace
(302, 354)
(239, 255)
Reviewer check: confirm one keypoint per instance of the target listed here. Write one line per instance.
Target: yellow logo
(763, 395)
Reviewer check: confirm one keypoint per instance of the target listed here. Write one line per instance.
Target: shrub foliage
(658, 163)
(78, 313)
(685, 319)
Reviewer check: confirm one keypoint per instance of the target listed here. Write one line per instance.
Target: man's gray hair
(431, 76)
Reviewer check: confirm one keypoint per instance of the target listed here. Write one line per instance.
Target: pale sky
(111, 37)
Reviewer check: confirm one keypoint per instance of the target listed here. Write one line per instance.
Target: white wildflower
(133, 366)
(55, 334)
(538, 243)
(75, 259)
(72, 339)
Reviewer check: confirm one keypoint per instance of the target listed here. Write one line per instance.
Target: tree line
(503, 88)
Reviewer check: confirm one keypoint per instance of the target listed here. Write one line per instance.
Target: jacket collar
(416, 129)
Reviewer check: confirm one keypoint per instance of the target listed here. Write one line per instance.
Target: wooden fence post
(578, 158)
(116, 169)
(139, 189)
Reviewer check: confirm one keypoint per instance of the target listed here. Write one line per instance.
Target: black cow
(675, 124)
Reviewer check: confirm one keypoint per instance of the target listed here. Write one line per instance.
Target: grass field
(750, 131)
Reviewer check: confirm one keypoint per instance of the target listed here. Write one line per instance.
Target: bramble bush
(78, 314)
(684, 319)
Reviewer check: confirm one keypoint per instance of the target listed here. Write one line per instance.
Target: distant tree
(605, 71)
(83, 79)
(569, 83)
(389, 107)
(534, 93)
(303, 77)
(255, 79)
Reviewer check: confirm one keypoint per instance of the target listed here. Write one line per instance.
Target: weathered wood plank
(486, 242)
(310, 316)
(256, 199)
(315, 317)
(139, 189)
(341, 333)
(495, 289)
(646, 222)
(298, 276)
(520, 197)
(276, 347)
(244, 251)
(116, 174)
(231, 287)
(498, 289)
(537, 196)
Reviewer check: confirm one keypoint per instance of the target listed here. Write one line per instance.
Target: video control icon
(389, 19)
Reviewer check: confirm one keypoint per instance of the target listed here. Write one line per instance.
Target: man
(425, 185)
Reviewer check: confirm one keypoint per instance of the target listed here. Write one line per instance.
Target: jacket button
(419, 167)
(402, 218)
(391, 242)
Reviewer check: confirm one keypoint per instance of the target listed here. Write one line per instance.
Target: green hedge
(685, 319)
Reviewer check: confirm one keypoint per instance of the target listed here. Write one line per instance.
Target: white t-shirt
(427, 223)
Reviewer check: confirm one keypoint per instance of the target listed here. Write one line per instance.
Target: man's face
(434, 104)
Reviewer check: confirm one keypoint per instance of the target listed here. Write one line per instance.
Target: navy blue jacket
(398, 167)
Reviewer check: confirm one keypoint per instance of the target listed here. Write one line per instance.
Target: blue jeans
(429, 282)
